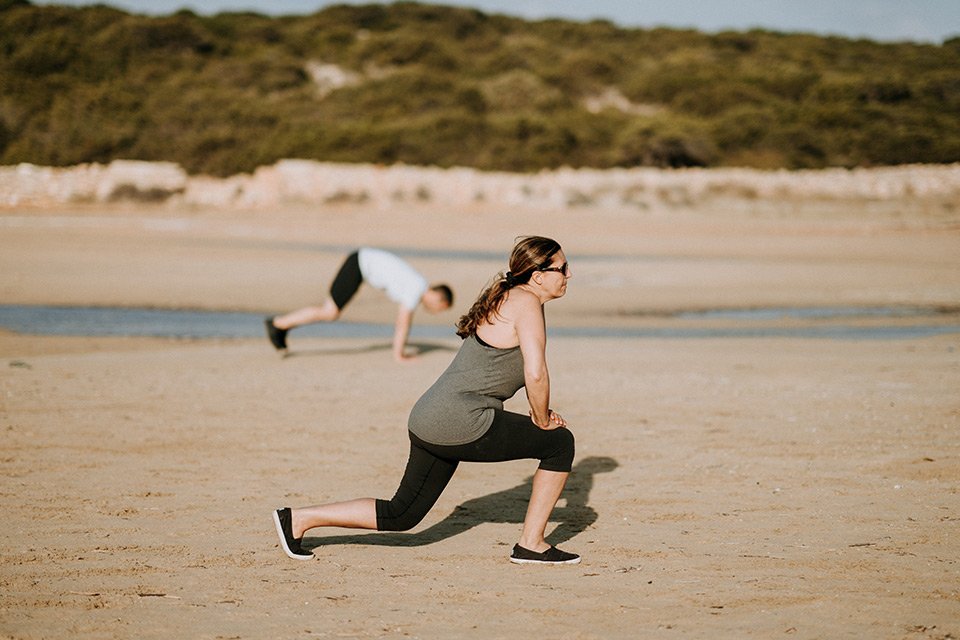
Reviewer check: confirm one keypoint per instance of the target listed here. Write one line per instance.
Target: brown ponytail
(529, 254)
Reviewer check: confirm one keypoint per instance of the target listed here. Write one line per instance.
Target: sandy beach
(724, 487)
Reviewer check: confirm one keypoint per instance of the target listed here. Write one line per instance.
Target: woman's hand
(554, 421)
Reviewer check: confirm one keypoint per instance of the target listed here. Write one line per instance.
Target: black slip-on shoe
(550, 556)
(291, 546)
(278, 337)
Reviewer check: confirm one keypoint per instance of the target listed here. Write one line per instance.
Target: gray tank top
(459, 407)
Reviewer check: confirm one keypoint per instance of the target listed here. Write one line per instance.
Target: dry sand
(724, 487)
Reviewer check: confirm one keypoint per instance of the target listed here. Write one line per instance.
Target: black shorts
(430, 467)
(347, 282)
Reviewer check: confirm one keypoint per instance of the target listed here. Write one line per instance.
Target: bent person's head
(438, 298)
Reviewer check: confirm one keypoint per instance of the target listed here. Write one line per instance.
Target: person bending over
(383, 270)
(461, 417)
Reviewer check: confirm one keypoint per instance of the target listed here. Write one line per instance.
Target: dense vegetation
(432, 85)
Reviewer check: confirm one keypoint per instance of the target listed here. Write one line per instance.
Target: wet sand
(734, 487)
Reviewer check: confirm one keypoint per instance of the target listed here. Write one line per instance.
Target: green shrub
(398, 50)
(666, 143)
(519, 90)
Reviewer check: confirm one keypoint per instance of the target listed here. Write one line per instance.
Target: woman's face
(554, 277)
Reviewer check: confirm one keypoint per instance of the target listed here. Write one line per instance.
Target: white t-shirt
(402, 283)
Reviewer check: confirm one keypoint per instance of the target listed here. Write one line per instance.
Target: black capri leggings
(511, 437)
(347, 281)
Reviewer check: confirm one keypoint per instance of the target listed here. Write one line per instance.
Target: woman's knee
(561, 457)
(393, 515)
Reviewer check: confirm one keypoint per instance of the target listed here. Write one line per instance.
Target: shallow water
(116, 321)
(815, 313)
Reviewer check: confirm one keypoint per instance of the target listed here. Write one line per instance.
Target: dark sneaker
(291, 546)
(278, 337)
(550, 556)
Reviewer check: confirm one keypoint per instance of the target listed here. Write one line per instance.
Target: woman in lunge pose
(461, 417)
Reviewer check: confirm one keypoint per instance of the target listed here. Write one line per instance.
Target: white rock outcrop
(311, 182)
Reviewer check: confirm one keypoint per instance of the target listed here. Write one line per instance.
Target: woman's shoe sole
(283, 540)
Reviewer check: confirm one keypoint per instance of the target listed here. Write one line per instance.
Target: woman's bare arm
(531, 332)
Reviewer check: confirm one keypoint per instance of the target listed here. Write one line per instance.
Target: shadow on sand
(419, 348)
(508, 506)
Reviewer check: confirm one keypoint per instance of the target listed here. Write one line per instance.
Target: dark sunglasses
(562, 269)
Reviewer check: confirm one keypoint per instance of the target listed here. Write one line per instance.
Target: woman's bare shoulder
(517, 299)
(521, 303)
